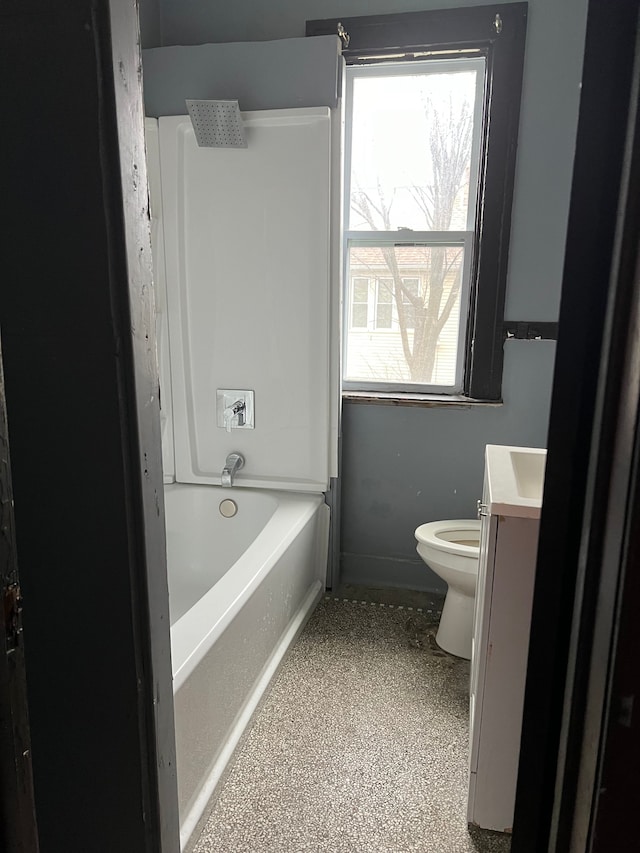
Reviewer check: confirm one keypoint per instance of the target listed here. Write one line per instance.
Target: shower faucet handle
(234, 409)
(234, 415)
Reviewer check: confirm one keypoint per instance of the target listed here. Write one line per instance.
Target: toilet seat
(449, 537)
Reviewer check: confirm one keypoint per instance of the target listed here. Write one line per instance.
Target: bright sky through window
(396, 122)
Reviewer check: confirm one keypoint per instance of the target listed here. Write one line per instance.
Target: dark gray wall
(258, 75)
(429, 465)
(150, 23)
(375, 543)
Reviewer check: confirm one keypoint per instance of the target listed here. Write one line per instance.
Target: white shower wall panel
(247, 243)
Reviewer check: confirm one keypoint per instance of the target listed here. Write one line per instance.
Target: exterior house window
(360, 303)
(412, 299)
(432, 105)
(384, 303)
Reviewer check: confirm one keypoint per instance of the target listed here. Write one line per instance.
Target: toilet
(451, 549)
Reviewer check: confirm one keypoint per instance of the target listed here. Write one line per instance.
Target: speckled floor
(360, 747)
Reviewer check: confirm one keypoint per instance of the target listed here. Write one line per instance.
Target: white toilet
(451, 549)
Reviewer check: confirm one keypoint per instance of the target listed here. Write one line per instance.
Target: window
(412, 165)
(432, 103)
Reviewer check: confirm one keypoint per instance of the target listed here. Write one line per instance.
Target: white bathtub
(240, 590)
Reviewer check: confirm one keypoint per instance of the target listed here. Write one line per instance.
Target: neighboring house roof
(407, 257)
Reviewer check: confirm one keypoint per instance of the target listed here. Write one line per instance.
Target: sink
(515, 478)
(529, 471)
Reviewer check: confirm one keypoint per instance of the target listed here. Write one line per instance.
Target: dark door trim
(124, 124)
(78, 335)
(18, 828)
(590, 449)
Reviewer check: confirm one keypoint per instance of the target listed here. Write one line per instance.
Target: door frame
(18, 826)
(82, 392)
(592, 460)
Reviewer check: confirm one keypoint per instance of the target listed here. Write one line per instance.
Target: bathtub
(240, 590)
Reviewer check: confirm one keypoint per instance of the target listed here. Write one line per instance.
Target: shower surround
(248, 303)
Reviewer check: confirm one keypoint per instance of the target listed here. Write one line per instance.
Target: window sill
(423, 400)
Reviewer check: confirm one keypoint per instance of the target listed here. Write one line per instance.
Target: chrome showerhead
(217, 124)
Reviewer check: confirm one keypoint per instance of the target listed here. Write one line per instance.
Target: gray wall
(428, 465)
(258, 75)
(150, 23)
(380, 508)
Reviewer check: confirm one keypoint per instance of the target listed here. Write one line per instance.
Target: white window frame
(405, 237)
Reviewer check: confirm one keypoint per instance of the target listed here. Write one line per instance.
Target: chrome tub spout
(234, 463)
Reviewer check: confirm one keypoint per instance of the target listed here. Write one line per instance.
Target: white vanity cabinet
(510, 511)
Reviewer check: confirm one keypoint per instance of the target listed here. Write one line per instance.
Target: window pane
(383, 317)
(411, 150)
(359, 316)
(384, 295)
(416, 333)
(410, 296)
(361, 290)
(385, 291)
(411, 288)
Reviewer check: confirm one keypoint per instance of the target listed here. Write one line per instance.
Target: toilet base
(455, 631)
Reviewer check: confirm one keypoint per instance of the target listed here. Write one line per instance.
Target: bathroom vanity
(510, 512)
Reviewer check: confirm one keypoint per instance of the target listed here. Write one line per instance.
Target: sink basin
(529, 472)
(515, 479)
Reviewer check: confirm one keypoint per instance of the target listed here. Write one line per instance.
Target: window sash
(402, 69)
(410, 237)
(374, 239)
